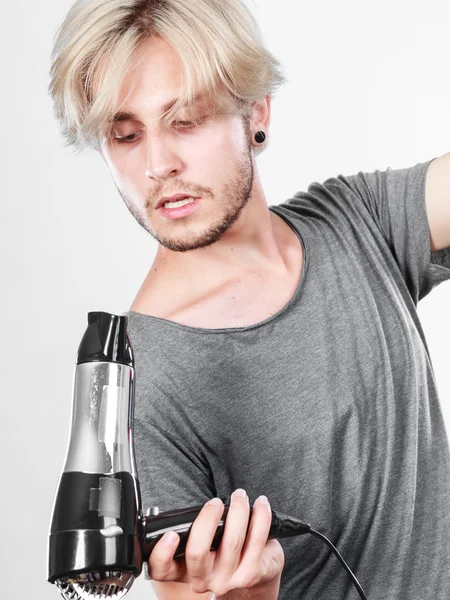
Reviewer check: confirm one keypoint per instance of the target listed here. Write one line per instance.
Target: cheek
(127, 176)
(215, 148)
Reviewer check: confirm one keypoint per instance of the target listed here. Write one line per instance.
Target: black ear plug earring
(260, 136)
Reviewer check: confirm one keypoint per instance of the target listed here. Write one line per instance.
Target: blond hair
(99, 43)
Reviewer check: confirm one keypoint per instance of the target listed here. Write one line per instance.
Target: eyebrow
(126, 116)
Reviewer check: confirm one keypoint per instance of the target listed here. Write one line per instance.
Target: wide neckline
(295, 295)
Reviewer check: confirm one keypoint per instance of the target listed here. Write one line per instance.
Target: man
(278, 351)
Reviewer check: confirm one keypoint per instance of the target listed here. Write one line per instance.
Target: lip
(179, 213)
(173, 198)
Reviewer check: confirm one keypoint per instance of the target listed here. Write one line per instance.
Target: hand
(240, 562)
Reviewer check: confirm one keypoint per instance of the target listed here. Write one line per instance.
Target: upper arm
(438, 202)
(176, 590)
(402, 205)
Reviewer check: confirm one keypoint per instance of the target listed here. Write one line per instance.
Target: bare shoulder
(175, 590)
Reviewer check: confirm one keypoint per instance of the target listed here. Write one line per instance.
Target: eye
(184, 124)
(128, 139)
(191, 124)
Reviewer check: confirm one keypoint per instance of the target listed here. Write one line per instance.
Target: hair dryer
(99, 536)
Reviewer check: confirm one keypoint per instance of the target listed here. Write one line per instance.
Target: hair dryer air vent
(110, 584)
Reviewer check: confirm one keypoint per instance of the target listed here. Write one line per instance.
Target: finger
(252, 567)
(229, 554)
(198, 555)
(161, 564)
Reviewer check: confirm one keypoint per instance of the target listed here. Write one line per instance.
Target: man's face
(211, 161)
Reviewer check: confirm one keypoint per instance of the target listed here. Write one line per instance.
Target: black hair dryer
(99, 536)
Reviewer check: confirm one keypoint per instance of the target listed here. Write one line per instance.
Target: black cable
(341, 560)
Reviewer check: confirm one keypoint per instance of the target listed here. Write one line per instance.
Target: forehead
(154, 84)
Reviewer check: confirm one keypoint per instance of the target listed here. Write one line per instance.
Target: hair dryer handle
(181, 521)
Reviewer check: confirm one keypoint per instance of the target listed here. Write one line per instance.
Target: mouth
(179, 209)
(176, 201)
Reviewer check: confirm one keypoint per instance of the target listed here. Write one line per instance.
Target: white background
(368, 88)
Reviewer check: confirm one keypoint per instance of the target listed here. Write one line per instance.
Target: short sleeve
(170, 475)
(395, 200)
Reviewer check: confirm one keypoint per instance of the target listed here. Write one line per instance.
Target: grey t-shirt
(329, 407)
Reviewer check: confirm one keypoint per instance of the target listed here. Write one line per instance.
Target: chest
(340, 358)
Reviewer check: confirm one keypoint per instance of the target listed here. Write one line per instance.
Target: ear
(260, 115)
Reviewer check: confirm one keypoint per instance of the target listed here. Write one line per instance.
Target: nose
(161, 160)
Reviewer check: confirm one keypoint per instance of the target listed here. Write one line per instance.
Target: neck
(252, 242)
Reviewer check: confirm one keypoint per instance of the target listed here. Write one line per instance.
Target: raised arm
(438, 202)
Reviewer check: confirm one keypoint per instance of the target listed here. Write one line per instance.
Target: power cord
(342, 561)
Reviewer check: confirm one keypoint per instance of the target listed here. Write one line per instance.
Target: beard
(236, 193)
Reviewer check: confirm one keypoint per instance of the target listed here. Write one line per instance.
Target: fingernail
(215, 502)
(240, 492)
(263, 500)
(170, 537)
